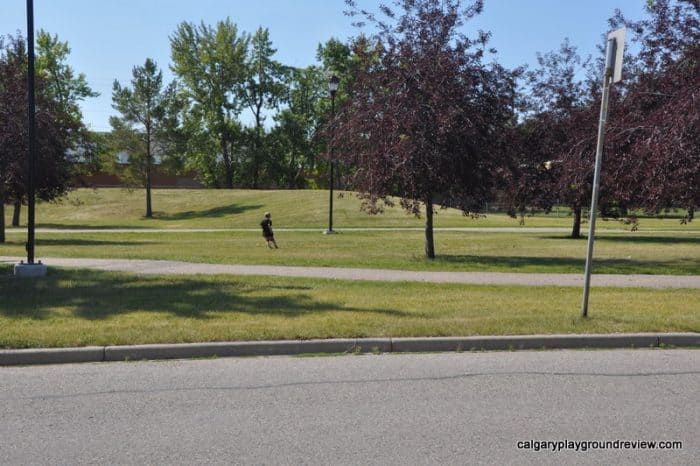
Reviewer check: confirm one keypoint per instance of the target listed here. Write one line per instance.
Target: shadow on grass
(221, 211)
(95, 295)
(689, 266)
(632, 238)
(510, 262)
(87, 242)
(61, 226)
(651, 239)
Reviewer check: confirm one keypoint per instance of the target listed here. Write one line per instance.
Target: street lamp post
(32, 132)
(333, 88)
(31, 268)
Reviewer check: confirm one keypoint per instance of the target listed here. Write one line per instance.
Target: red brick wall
(106, 180)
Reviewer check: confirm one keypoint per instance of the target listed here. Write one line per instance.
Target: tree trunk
(228, 165)
(149, 209)
(256, 153)
(576, 230)
(2, 214)
(15, 213)
(429, 243)
(691, 213)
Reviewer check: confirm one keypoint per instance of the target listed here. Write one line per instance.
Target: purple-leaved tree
(426, 118)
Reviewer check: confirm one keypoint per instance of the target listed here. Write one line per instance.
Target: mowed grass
(664, 253)
(78, 308)
(221, 208)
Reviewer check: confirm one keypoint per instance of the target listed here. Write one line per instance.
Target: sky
(108, 38)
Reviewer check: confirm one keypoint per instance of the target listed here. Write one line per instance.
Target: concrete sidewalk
(343, 346)
(163, 267)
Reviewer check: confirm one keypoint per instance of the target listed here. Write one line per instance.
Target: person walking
(267, 233)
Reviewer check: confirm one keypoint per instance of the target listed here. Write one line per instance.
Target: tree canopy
(425, 116)
(149, 115)
(56, 131)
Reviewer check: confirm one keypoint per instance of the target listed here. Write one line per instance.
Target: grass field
(662, 246)
(77, 308)
(184, 208)
(649, 253)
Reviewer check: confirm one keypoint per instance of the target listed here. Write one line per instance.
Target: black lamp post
(32, 132)
(333, 88)
(31, 268)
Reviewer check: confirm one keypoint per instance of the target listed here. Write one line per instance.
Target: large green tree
(210, 62)
(149, 113)
(295, 139)
(263, 90)
(67, 87)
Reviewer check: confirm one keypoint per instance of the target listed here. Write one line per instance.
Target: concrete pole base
(330, 232)
(36, 269)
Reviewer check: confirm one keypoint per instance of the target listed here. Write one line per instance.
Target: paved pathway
(163, 267)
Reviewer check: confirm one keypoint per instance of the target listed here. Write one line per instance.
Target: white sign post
(612, 74)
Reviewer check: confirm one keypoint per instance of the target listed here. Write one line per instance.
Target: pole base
(330, 232)
(36, 269)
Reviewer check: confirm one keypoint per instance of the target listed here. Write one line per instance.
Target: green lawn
(198, 208)
(629, 252)
(77, 307)
(73, 307)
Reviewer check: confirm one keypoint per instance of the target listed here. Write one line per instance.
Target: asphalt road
(456, 408)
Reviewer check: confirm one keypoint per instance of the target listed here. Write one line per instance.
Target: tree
(148, 113)
(210, 63)
(263, 90)
(62, 83)
(68, 89)
(336, 56)
(660, 114)
(651, 144)
(425, 116)
(557, 137)
(55, 132)
(295, 138)
(12, 103)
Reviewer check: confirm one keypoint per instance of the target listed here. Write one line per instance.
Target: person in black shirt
(267, 233)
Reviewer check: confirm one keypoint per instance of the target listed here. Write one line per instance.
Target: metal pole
(32, 132)
(607, 79)
(330, 210)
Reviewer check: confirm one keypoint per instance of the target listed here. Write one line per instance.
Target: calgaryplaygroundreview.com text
(587, 445)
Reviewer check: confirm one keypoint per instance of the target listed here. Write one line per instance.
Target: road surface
(456, 408)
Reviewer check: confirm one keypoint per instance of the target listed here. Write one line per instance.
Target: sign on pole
(612, 74)
(619, 39)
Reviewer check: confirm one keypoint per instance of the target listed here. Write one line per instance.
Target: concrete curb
(51, 355)
(11, 357)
